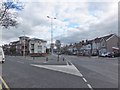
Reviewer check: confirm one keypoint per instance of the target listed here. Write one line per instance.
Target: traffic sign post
(52, 46)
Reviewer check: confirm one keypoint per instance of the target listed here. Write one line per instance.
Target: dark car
(109, 55)
(116, 54)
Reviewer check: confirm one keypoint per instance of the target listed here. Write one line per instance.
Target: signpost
(58, 45)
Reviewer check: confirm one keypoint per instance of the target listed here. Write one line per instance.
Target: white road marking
(20, 62)
(69, 69)
(70, 63)
(67, 63)
(76, 68)
(84, 79)
(89, 86)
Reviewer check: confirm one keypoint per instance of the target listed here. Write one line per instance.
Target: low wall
(38, 54)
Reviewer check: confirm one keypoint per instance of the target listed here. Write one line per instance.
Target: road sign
(52, 45)
(58, 43)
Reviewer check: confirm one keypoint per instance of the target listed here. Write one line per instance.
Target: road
(73, 72)
(100, 72)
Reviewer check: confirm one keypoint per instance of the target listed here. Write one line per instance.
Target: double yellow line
(4, 83)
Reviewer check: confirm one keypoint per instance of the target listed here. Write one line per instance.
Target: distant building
(6, 49)
(26, 46)
(13, 47)
(86, 48)
(109, 43)
(23, 45)
(37, 47)
(97, 46)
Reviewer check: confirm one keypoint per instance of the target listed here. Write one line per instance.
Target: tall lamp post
(52, 44)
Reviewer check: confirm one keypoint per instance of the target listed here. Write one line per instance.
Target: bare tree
(7, 16)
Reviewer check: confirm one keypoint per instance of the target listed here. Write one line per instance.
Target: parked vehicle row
(109, 54)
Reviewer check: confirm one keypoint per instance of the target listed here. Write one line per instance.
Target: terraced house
(97, 46)
(109, 43)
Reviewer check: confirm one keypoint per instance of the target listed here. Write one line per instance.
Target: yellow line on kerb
(6, 86)
(0, 87)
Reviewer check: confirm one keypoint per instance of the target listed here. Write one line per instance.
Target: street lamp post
(52, 45)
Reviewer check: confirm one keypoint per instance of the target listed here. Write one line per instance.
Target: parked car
(74, 53)
(107, 54)
(70, 53)
(116, 54)
(102, 55)
(2, 56)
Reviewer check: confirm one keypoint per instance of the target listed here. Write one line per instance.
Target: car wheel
(2, 61)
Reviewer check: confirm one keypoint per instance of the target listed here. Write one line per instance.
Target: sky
(75, 20)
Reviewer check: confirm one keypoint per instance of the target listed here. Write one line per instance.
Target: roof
(14, 42)
(37, 39)
(89, 42)
(115, 48)
(23, 37)
(107, 37)
(97, 40)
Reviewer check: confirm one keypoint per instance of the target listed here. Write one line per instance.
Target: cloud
(98, 23)
(74, 21)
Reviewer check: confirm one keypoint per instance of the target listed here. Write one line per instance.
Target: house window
(88, 46)
(32, 46)
(39, 47)
(103, 44)
(39, 51)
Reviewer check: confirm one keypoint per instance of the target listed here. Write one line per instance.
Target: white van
(2, 56)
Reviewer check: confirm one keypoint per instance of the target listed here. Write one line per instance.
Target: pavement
(72, 72)
(49, 60)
